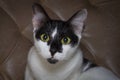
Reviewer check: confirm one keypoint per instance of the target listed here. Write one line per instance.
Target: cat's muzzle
(52, 60)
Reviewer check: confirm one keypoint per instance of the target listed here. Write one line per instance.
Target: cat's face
(57, 40)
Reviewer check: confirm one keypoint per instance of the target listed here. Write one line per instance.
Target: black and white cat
(56, 54)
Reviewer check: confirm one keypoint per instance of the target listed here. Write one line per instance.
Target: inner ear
(39, 16)
(77, 20)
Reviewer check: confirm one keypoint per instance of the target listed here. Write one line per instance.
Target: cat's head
(54, 39)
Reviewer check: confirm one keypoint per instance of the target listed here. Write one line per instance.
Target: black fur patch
(63, 29)
(88, 65)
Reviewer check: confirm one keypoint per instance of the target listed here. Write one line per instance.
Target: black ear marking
(39, 16)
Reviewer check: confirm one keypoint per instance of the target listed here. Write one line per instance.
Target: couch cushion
(103, 30)
(13, 49)
(102, 38)
(20, 10)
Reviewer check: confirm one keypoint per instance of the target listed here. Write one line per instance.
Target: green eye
(44, 37)
(66, 40)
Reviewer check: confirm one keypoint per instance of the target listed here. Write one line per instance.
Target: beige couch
(101, 38)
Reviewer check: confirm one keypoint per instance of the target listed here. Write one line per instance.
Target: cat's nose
(53, 51)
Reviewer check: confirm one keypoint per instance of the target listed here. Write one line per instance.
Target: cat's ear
(77, 20)
(39, 16)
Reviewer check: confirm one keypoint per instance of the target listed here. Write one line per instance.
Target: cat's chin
(52, 60)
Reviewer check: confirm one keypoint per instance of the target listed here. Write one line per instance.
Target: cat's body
(62, 71)
(56, 54)
(38, 69)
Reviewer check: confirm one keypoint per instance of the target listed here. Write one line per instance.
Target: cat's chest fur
(42, 70)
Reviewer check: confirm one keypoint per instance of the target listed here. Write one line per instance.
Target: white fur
(39, 69)
(54, 33)
(69, 66)
(43, 49)
(66, 54)
(42, 70)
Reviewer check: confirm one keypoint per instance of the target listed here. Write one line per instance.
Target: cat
(56, 54)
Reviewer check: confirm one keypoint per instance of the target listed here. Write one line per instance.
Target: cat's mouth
(52, 60)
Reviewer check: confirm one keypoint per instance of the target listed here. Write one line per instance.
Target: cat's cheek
(59, 56)
(63, 55)
(43, 49)
(68, 51)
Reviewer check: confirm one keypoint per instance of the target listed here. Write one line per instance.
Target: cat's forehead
(55, 26)
(55, 23)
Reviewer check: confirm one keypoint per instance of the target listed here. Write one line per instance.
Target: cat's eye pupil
(66, 40)
(44, 37)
